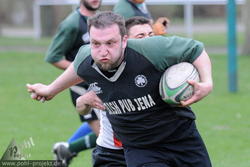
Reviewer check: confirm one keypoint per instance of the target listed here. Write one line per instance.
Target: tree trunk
(246, 46)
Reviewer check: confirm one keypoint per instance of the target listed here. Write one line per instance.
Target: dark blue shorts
(104, 157)
(188, 150)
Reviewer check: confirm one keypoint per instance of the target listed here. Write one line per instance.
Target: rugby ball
(173, 85)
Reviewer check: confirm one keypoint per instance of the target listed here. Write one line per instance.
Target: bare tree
(246, 46)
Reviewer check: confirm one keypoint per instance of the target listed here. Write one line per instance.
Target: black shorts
(104, 157)
(74, 95)
(187, 151)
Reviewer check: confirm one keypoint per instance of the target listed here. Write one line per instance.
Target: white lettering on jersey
(126, 105)
(113, 107)
(123, 106)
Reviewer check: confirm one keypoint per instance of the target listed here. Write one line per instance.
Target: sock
(83, 130)
(83, 143)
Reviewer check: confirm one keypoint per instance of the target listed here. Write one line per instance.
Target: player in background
(71, 34)
(138, 27)
(131, 8)
(108, 151)
(134, 108)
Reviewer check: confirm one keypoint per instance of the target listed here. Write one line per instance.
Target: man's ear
(124, 41)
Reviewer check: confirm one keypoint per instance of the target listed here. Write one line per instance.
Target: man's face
(107, 46)
(140, 31)
(92, 5)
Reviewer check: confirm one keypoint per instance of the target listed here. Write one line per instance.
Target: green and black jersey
(134, 107)
(71, 35)
(128, 9)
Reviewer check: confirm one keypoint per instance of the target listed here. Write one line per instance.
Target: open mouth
(104, 60)
(95, 2)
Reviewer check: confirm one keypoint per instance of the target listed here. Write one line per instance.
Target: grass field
(223, 118)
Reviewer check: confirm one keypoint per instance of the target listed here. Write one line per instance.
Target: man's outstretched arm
(46, 92)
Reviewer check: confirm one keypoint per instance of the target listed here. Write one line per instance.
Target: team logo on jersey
(95, 88)
(85, 37)
(141, 81)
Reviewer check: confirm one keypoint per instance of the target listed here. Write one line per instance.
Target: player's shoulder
(83, 53)
(84, 50)
(146, 43)
(72, 20)
(158, 42)
(160, 50)
(152, 39)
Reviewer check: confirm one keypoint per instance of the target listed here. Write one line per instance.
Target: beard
(109, 66)
(106, 66)
(112, 65)
(89, 7)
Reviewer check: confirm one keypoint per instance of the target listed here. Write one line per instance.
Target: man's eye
(151, 34)
(95, 44)
(110, 43)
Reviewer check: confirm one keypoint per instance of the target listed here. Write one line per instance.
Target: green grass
(22, 118)
(9, 41)
(222, 117)
(217, 39)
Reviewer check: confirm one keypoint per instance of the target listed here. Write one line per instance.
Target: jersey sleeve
(62, 42)
(163, 52)
(82, 54)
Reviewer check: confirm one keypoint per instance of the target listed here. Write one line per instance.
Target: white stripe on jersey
(106, 135)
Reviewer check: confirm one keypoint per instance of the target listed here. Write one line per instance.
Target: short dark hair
(137, 20)
(106, 19)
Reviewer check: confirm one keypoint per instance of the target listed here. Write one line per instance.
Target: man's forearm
(203, 65)
(205, 86)
(65, 80)
(62, 64)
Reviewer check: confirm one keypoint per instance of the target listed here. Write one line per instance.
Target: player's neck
(85, 12)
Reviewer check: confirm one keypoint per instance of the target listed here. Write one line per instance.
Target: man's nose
(103, 50)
